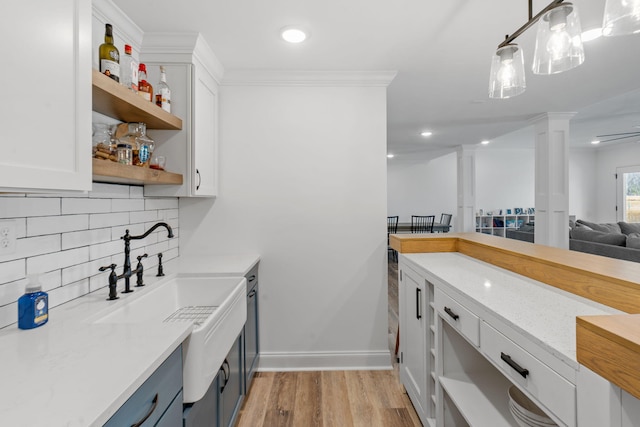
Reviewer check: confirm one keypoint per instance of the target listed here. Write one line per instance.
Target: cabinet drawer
(556, 395)
(165, 383)
(464, 321)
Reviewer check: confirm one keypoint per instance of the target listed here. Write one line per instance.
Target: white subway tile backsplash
(144, 216)
(28, 206)
(12, 270)
(108, 219)
(136, 192)
(57, 260)
(85, 238)
(151, 204)
(86, 206)
(32, 246)
(64, 239)
(9, 314)
(102, 250)
(127, 205)
(67, 293)
(109, 191)
(42, 225)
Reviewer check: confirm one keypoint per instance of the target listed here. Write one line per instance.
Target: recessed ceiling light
(293, 34)
(426, 133)
(389, 156)
(592, 34)
(485, 142)
(595, 142)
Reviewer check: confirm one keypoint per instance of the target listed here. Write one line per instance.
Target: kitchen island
(607, 282)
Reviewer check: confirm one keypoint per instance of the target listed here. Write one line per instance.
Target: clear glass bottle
(145, 90)
(125, 154)
(129, 70)
(146, 145)
(163, 92)
(109, 56)
(142, 145)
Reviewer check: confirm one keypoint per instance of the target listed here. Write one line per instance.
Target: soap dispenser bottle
(33, 306)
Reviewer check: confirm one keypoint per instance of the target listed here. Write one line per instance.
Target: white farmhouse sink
(215, 306)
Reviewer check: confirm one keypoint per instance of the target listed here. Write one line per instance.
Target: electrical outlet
(7, 237)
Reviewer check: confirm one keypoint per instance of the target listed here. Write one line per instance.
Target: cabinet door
(204, 153)
(204, 413)
(231, 387)
(251, 344)
(46, 102)
(413, 333)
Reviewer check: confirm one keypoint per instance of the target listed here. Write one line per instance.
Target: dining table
(405, 227)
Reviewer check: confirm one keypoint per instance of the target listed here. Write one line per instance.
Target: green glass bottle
(109, 55)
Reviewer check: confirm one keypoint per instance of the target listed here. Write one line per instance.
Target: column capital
(545, 117)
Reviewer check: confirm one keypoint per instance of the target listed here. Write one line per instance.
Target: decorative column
(466, 159)
(552, 179)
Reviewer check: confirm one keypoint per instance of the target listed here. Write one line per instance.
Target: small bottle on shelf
(109, 56)
(144, 88)
(129, 70)
(163, 92)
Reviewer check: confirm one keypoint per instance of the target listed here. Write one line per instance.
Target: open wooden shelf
(114, 100)
(112, 172)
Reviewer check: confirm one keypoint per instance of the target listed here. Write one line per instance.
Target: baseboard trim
(324, 361)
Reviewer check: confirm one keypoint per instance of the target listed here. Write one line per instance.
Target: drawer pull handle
(227, 374)
(418, 303)
(252, 278)
(153, 408)
(519, 369)
(451, 313)
(252, 294)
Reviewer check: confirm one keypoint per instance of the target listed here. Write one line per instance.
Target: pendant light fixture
(507, 72)
(558, 42)
(562, 49)
(621, 17)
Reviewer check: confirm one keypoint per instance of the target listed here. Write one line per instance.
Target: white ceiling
(441, 51)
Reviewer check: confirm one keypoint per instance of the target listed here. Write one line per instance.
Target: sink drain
(195, 314)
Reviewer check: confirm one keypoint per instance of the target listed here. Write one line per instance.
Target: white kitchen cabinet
(193, 74)
(46, 105)
(416, 335)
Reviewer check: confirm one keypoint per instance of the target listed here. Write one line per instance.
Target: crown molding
(307, 78)
(182, 47)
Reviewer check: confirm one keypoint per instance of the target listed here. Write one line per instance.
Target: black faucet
(127, 272)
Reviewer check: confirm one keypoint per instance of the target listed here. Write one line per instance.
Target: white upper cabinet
(46, 105)
(193, 73)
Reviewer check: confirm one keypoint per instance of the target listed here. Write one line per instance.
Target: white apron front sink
(215, 306)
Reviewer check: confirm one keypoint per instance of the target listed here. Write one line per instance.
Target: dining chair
(422, 223)
(392, 228)
(445, 219)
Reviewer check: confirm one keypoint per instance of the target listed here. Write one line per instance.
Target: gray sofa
(614, 240)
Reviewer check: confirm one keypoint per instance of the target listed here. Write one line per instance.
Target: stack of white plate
(525, 412)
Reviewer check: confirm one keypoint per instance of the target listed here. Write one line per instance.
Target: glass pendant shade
(507, 72)
(558, 41)
(621, 17)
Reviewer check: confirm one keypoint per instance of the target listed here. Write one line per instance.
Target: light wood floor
(332, 398)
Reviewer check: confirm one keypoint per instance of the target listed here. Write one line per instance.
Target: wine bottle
(163, 92)
(109, 55)
(145, 90)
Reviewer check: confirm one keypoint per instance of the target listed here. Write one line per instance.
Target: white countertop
(72, 372)
(542, 313)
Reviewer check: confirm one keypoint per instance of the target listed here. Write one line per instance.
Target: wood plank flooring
(332, 398)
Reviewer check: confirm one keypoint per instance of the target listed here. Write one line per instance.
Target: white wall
(582, 184)
(608, 159)
(427, 188)
(303, 183)
(504, 178)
